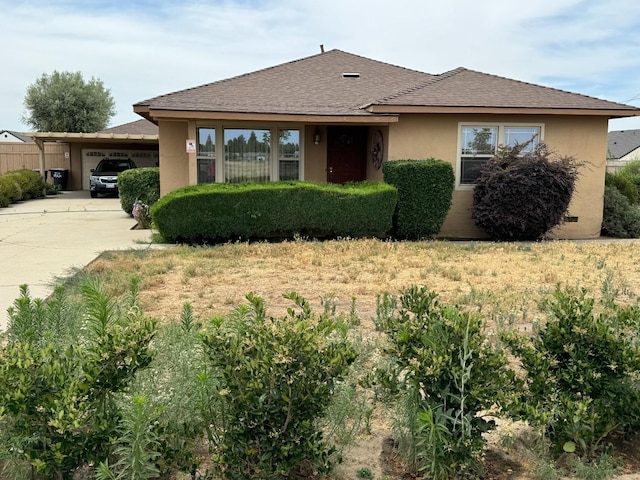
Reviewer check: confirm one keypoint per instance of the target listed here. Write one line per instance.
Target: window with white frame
(479, 142)
(206, 155)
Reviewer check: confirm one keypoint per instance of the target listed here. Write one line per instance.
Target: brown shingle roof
(316, 86)
(468, 88)
(310, 86)
(139, 127)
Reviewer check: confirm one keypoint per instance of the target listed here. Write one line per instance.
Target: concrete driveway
(47, 238)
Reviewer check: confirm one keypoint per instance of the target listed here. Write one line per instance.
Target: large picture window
(247, 155)
(478, 143)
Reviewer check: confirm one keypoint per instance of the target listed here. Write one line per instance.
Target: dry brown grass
(502, 281)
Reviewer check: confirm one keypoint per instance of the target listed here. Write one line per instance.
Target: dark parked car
(104, 178)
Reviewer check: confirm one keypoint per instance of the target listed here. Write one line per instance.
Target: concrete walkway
(50, 237)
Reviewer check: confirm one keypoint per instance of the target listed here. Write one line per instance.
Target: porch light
(316, 136)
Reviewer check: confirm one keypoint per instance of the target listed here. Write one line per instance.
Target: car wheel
(94, 194)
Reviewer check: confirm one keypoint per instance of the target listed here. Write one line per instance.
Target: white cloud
(142, 49)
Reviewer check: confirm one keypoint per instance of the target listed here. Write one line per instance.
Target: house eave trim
(269, 117)
(399, 109)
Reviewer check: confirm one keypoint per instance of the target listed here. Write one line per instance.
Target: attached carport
(87, 149)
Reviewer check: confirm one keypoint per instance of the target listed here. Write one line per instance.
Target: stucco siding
(585, 138)
(173, 155)
(315, 156)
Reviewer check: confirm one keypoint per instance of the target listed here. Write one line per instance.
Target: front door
(346, 154)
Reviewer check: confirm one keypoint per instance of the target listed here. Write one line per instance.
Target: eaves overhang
(361, 118)
(93, 137)
(404, 109)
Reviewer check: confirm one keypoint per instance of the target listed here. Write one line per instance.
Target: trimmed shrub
(624, 184)
(277, 377)
(222, 212)
(522, 197)
(620, 219)
(425, 189)
(580, 372)
(138, 184)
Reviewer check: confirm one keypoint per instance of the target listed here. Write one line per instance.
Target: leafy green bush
(522, 197)
(221, 212)
(138, 184)
(9, 191)
(277, 377)
(624, 185)
(445, 374)
(631, 171)
(580, 373)
(31, 183)
(57, 399)
(20, 185)
(425, 190)
(620, 219)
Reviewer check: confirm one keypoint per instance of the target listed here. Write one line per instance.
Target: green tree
(65, 102)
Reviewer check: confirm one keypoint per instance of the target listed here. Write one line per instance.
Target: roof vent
(350, 75)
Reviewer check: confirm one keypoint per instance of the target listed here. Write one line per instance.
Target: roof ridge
(434, 79)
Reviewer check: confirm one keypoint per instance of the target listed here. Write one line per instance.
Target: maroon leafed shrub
(522, 196)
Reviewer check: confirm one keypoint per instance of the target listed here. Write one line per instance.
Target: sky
(141, 48)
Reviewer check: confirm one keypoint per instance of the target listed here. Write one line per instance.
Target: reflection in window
(289, 154)
(479, 140)
(478, 143)
(247, 155)
(520, 135)
(206, 155)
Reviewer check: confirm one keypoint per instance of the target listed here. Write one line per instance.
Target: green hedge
(138, 184)
(625, 186)
(425, 189)
(221, 212)
(20, 185)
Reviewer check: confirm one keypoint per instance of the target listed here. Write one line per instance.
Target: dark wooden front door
(346, 154)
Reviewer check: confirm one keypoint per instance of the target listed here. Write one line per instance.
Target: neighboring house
(135, 140)
(13, 137)
(336, 116)
(623, 147)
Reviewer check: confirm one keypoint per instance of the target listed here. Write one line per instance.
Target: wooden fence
(17, 156)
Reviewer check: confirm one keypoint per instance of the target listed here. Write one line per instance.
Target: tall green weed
(443, 374)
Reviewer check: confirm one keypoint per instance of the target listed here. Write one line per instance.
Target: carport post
(40, 144)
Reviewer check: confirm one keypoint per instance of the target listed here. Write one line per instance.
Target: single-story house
(136, 140)
(336, 116)
(623, 147)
